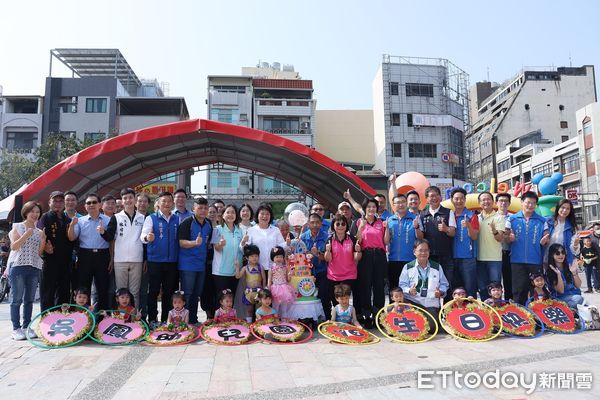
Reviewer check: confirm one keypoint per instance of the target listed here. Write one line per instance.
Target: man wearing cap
(194, 237)
(94, 257)
(56, 273)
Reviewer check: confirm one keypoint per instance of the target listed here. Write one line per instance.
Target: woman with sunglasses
(342, 254)
(563, 279)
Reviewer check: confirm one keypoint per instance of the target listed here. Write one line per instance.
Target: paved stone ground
(317, 369)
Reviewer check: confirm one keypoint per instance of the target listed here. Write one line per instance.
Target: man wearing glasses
(319, 209)
(94, 242)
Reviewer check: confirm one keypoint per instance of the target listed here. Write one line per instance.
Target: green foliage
(17, 169)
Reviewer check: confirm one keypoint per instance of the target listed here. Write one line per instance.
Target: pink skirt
(283, 294)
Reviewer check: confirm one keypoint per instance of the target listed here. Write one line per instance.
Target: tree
(17, 169)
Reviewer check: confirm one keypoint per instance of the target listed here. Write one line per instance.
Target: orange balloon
(413, 181)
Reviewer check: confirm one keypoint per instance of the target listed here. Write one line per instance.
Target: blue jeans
(488, 271)
(466, 268)
(192, 283)
(23, 282)
(572, 300)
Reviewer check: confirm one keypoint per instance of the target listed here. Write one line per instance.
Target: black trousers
(208, 296)
(55, 287)
(394, 271)
(507, 275)
(166, 276)
(92, 265)
(520, 280)
(321, 282)
(222, 283)
(372, 271)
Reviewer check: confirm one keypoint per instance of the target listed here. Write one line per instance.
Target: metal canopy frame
(97, 62)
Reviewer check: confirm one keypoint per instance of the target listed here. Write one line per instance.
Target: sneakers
(31, 333)
(18, 334)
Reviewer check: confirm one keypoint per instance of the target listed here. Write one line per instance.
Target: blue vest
(402, 237)
(165, 246)
(194, 258)
(567, 237)
(526, 249)
(464, 246)
(321, 240)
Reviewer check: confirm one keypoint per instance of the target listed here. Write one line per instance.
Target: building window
(95, 105)
(587, 128)
(68, 107)
(394, 88)
(395, 119)
(564, 138)
(282, 125)
(396, 149)
(571, 163)
(545, 169)
(409, 120)
(419, 89)
(21, 142)
(422, 150)
(224, 179)
(230, 89)
(504, 165)
(564, 124)
(229, 115)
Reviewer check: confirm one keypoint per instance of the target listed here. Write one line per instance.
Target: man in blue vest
(439, 228)
(528, 235)
(160, 234)
(465, 243)
(194, 236)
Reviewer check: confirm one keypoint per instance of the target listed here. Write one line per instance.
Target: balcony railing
(285, 131)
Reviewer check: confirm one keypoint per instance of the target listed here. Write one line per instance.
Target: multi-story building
(535, 107)
(420, 113)
(588, 133)
(21, 123)
(268, 98)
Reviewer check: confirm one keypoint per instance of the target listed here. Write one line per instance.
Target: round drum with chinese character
(406, 323)
(518, 321)
(470, 320)
(340, 332)
(172, 336)
(229, 333)
(62, 326)
(556, 316)
(275, 330)
(115, 330)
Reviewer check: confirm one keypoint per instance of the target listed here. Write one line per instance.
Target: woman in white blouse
(264, 235)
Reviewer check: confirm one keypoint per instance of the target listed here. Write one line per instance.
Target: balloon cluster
(547, 185)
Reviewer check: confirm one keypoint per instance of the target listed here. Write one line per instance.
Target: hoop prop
(163, 336)
(114, 331)
(275, 330)
(229, 333)
(410, 325)
(556, 316)
(518, 321)
(58, 329)
(473, 321)
(346, 334)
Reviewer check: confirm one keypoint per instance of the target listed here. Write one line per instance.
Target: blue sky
(337, 44)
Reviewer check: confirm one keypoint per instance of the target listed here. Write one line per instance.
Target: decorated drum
(406, 323)
(170, 336)
(556, 315)
(275, 330)
(233, 332)
(63, 326)
(347, 334)
(518, 321)
(470, 320)
(115, 331)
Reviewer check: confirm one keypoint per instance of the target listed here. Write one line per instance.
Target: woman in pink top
(341, 253)
(372, 268)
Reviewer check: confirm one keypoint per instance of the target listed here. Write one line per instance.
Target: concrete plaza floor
(316, 369)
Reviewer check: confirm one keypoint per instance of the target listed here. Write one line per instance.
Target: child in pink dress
(277, 281)
(226, 312)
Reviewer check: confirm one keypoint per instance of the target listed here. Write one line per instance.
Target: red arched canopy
(139, 156)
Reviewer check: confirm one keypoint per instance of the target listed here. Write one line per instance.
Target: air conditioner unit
(244, 180)
(305, 125)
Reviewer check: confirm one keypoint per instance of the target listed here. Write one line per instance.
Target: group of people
(227, 258)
